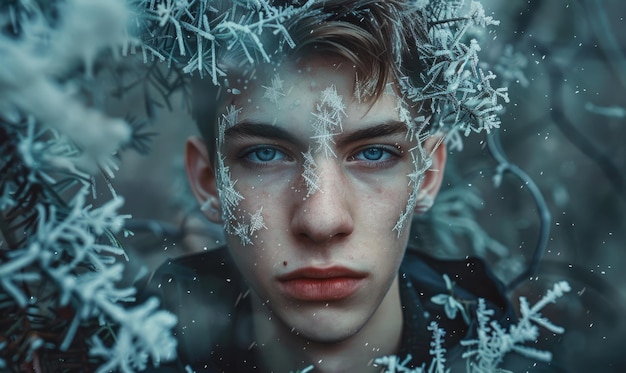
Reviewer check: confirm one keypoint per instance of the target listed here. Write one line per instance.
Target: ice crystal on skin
(256, 221)
(228, 194)
(274, 92)
(421, 164)
(310, 175)
(245, 231)
(328, 120)
(405, 116)
(242, 231)
(230, 118)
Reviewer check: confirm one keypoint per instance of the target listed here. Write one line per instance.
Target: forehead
(293, 92)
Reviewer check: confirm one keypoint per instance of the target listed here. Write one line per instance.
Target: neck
(283, 350)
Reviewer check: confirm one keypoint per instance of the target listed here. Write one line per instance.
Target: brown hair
(374, 35)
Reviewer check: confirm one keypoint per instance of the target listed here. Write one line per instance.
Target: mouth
(321, 284)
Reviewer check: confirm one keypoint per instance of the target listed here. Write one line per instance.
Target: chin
(326, 336)
(331, 331)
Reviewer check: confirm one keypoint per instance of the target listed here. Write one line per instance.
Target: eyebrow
(388, 128)
(249, 128)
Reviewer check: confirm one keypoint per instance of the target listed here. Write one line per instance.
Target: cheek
(386, 198)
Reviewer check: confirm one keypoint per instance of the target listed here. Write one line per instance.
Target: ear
(433, 177)
(201, 175)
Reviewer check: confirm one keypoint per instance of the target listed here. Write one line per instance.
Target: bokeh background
(565, 64)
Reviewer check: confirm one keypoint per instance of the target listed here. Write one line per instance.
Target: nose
(327, 213)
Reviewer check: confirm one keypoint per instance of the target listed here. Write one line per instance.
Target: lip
(321, 284)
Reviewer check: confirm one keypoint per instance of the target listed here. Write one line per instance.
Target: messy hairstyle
(371, 34)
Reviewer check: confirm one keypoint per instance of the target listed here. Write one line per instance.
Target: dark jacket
(214, 330)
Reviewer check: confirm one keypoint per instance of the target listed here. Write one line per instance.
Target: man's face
(319, 181)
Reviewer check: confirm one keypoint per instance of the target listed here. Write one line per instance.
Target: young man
(316, 163)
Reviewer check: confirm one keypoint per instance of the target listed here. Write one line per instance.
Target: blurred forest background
(565, 127)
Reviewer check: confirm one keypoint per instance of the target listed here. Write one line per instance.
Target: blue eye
(265, 154)
(373, 154)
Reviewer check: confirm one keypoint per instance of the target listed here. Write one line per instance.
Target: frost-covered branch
(59, 256)
(485, 353)
(493, 341)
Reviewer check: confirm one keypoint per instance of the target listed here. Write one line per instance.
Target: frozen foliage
(60, 236)
(203, 31)
(454, 216)
(510, 67)
(437, 351)
(485, 354)
(606, 111)
(449, 302)
(460, 92)
(59, 258)
(45, 51)
(493, 342)
(53, 139)
(393, 364)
